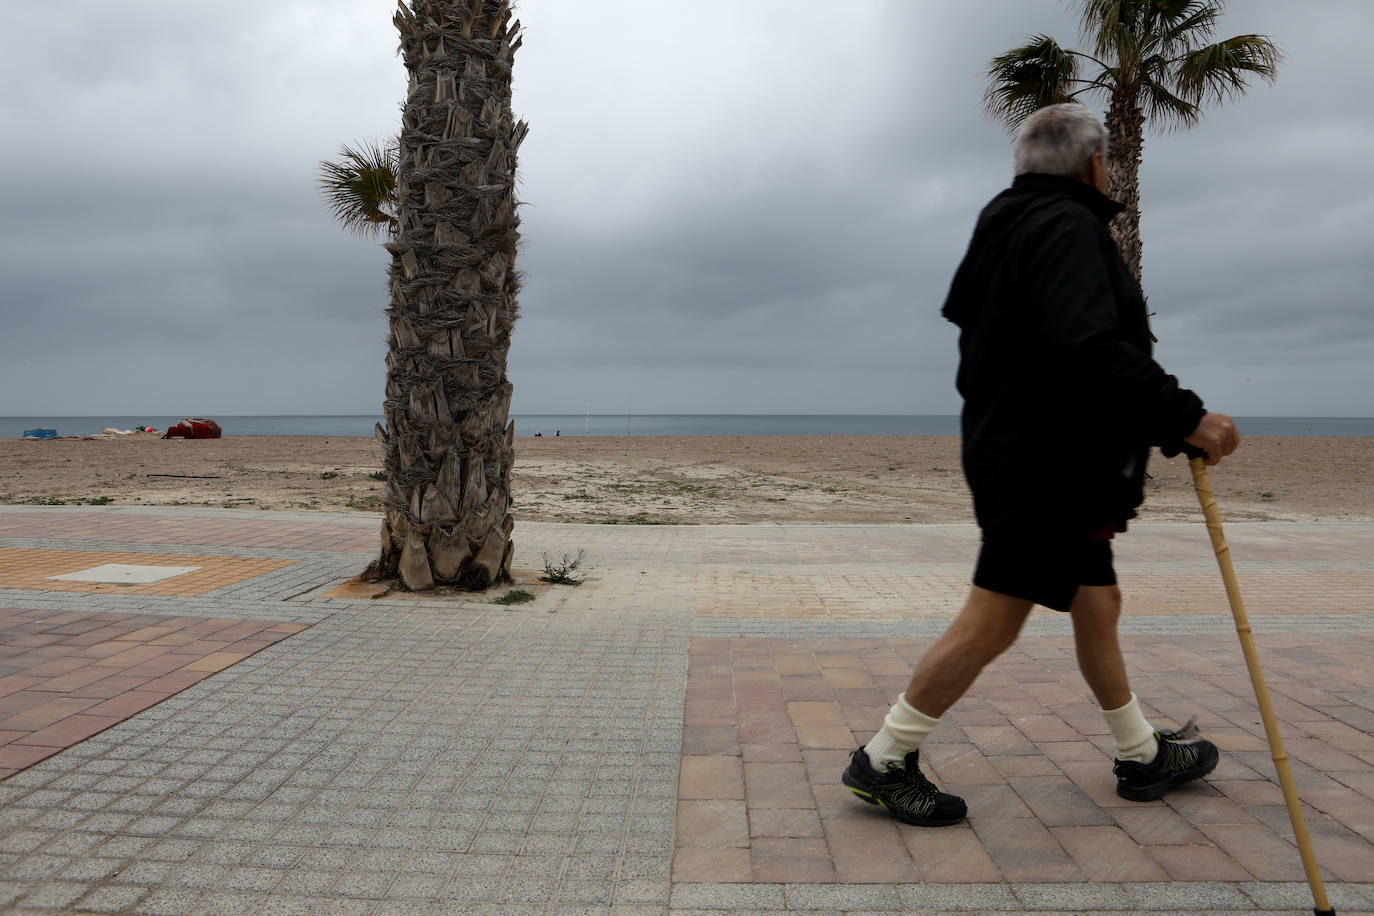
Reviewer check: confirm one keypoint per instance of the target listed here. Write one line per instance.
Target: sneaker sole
(915, 820)
(1157, 789)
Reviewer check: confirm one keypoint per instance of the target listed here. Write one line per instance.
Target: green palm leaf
(1181, 27)
(1109, 25)
(360, 187)
(1220, 71)
(1165, 108)
(1032, 76)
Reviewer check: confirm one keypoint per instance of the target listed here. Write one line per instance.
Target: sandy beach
(664, 480)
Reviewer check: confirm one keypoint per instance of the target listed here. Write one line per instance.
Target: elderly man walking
(1062, 402)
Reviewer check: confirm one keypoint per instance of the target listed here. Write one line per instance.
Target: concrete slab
(125, 574)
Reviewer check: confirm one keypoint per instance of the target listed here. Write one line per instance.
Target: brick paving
(769, 724)
(668, 737)
(65, 677)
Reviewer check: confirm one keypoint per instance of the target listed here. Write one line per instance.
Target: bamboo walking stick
(1202, 483)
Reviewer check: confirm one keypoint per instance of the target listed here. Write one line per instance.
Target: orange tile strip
(32, 569)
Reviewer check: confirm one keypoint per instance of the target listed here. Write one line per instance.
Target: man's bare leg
(987, 625)
(984, 629)
(1147, 765)
(1095, 612)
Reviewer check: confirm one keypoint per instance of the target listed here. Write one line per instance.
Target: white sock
(904, 728)
(1132, 732)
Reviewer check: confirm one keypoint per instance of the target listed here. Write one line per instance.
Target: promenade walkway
(193, 719)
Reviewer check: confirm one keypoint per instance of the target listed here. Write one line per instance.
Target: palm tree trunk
(1126, 135)
(447, 443)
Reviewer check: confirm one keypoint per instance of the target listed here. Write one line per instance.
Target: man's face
(1098, 172)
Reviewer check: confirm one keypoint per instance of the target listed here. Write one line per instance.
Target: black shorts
(1043, 567)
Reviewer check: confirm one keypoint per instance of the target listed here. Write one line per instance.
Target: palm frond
(1156, 67)
(1220, 71)
(1129, 30)
(1032, 76)
(1184, 24)
(1107, 81)
(1164, 109)
(1110, 25)
(1118, 31)
(1099, 19)
(360, 186)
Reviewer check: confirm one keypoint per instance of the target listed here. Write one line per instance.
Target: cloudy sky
(733, 206)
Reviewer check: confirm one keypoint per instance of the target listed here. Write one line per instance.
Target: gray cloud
(731, 208)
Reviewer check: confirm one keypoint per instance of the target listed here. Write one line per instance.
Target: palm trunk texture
(447, 443)
(1126, 139)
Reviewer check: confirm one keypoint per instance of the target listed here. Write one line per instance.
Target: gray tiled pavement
(410, 756)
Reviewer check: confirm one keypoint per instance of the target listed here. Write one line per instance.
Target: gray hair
(1058, 140)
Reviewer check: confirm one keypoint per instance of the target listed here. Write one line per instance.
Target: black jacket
(1062, 399)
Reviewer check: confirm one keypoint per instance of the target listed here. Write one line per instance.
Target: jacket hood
(1102, 206)
(1003, 219)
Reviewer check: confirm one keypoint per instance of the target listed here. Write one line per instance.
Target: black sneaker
(903, 791)
(1182, 757)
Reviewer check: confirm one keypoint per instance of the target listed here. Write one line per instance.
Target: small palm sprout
(360, 187)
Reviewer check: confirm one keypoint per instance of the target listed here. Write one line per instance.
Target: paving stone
(1073, 897)
(957, 897)
(1194, 896)
(732, 897)
(111, 899)
(842, 897)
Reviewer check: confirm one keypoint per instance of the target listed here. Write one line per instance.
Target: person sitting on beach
(1062, 401)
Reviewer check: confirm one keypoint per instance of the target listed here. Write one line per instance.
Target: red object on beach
(196, 428)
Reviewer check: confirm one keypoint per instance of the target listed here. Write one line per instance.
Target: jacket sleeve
(1075, 308)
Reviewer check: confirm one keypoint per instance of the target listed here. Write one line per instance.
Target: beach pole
(1203, 485)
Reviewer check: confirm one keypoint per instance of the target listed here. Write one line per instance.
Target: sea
(642, 425)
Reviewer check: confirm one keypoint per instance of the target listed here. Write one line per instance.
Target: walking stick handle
(1203, 485)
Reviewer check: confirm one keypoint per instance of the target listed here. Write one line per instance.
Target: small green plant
(562, 573)
(378, 475)
(99, 500)
(514, 596)
(329, 475)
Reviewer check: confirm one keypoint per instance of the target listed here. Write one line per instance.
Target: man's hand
(1216, 435)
